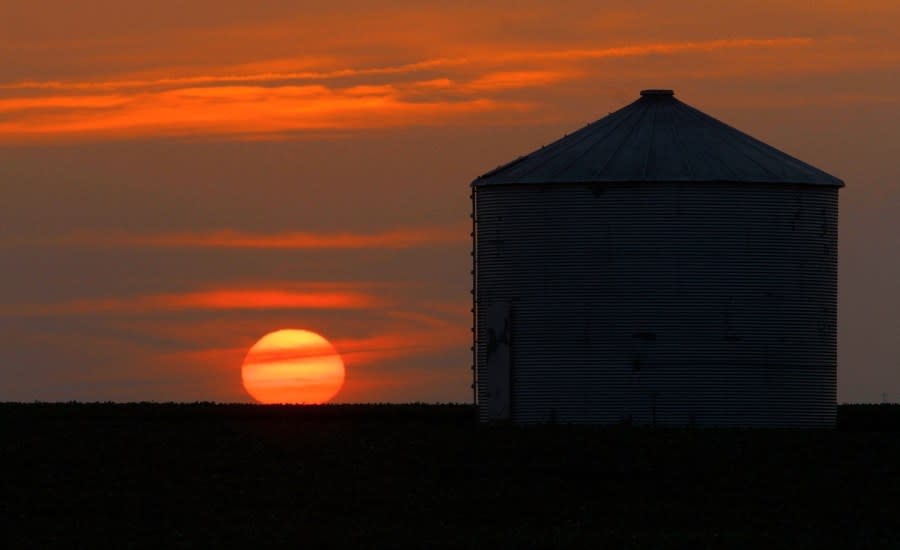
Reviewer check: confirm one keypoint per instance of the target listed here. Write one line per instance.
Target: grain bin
(656, 267)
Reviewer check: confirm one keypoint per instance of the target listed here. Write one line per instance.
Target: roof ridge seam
(695, 114)
(575, 142)
(651, 141)
(684, 157)
(619, 146)
(730, 145)
(780, 155)
(618, 123)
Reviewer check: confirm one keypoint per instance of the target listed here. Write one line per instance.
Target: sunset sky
(181, 177)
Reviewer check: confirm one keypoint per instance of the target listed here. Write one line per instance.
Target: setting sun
(293, 366)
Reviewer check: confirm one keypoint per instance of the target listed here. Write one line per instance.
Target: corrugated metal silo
(656, 267)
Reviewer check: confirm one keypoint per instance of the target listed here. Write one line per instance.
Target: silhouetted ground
(427, 476)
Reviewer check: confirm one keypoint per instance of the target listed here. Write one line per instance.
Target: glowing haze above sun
(293, 366)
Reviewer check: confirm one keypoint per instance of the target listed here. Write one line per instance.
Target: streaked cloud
(236, 78)
(397, 341)
(471, 61)
(660, 48)
(392, 239)
(424, 335)
(448, 90)
(264, 299)
(234, 110)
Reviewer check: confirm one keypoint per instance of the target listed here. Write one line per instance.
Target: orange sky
(180, 177)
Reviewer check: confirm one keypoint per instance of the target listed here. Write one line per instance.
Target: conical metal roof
(658, 139)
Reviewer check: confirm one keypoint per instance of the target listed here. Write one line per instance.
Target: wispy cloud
(662, 48)
(235, 78)
(392, 239)
(487, 58)
(404, 334)
(436, 91)
(241, 110)
(212, 299)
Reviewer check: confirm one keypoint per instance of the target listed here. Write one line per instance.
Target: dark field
(428, 476)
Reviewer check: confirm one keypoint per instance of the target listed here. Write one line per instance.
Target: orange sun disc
(293, 366)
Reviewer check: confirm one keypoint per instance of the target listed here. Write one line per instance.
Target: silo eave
(479, 182)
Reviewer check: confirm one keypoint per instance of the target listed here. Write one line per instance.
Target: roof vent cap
(646, 93)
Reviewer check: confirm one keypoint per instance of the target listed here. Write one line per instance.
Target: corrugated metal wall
(673, 304)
